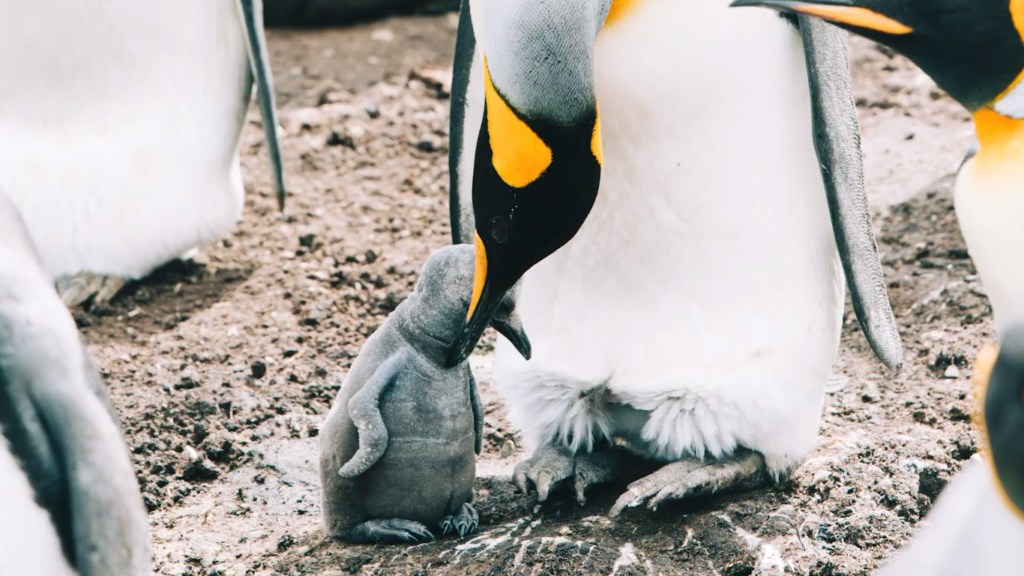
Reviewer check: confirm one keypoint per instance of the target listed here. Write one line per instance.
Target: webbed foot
(746, 470)
(550, 465)
(464, 521)
(391, 530)
(74, 290)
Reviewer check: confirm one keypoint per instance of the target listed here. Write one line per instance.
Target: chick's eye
(498, 229)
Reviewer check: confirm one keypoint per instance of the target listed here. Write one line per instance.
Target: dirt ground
(223, 368)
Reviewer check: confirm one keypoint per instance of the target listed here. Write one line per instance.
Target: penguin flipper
(364, 409)
(837, 142)
(259, 60)
(460, 196)
(478, 414)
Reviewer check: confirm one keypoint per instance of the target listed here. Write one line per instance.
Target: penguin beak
(1000, 419)
(259, 61)
(507, 322)
(490, 303)
(844, 13)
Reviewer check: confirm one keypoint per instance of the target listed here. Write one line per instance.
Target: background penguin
(334, 12)
(120, 125)
(70, 501)
(974, 50)
(696, 312)
(397, 453)
(977, 524)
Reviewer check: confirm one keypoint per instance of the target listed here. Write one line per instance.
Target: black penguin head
(436, 310)
(1000, 418)
(538, 159)
(971, 48)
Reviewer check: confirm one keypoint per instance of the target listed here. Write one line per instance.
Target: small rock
(871, 393)
(307, 240)
(338, 139)
(429, 143)
(930, 482)
(259, 369)
(285, 542)
(199, 471)
(371, 256)
(150, 502)
(952, 372)
(508, 448)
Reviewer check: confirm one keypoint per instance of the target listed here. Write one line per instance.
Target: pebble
(952, 373)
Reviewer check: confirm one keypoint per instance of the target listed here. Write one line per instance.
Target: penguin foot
(745, 470)
(464, 521)
(550, 465)
(75, 290)
(390, 531)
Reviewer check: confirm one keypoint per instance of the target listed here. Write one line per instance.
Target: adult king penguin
(977, 524)
(695, 314)
(982, 69)
(119, 129)
(69, 500)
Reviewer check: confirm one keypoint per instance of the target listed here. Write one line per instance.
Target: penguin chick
(978, 521)
(69, 498)
(398, 448)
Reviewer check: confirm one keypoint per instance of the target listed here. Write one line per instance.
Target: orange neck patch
(596, 144)
(1001, 145)
(518, 154)
(620, 9)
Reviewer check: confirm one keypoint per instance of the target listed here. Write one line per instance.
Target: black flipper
(460, 200)
(837, 141)
(259, 60)
(478, 415)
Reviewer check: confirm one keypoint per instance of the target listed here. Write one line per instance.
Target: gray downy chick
(70, 502)
(398, 449)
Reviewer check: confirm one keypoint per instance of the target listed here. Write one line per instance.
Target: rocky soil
(223, 367)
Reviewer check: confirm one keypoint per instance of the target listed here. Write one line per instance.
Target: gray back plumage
(58, 422)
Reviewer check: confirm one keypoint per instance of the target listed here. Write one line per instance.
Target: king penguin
(69, 499)
(119, 129)
(982, 69)
(977, 524)
(672, 193)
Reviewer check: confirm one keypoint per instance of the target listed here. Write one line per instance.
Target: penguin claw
(392, 530)
(464, 521)
(76, 290)
(551, 465)
(692, 478)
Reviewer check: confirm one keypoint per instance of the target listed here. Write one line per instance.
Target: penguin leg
(75, 290)
(464, 521)
(391, 530)
(691, 478)
(551, 465)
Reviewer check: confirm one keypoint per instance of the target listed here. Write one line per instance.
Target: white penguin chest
(990, 208)
(708, 258)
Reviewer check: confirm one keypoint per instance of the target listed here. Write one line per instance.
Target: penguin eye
(498, 229)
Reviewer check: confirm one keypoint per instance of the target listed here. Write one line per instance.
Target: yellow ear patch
(1017, 11)
(519, 155)
(479, 275)
(596, 145)
(619, 9)
(855, 16)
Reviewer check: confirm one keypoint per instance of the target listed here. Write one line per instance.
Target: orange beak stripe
(479, 276)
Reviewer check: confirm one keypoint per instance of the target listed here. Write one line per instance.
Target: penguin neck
(1000, 158)
(430, 333)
